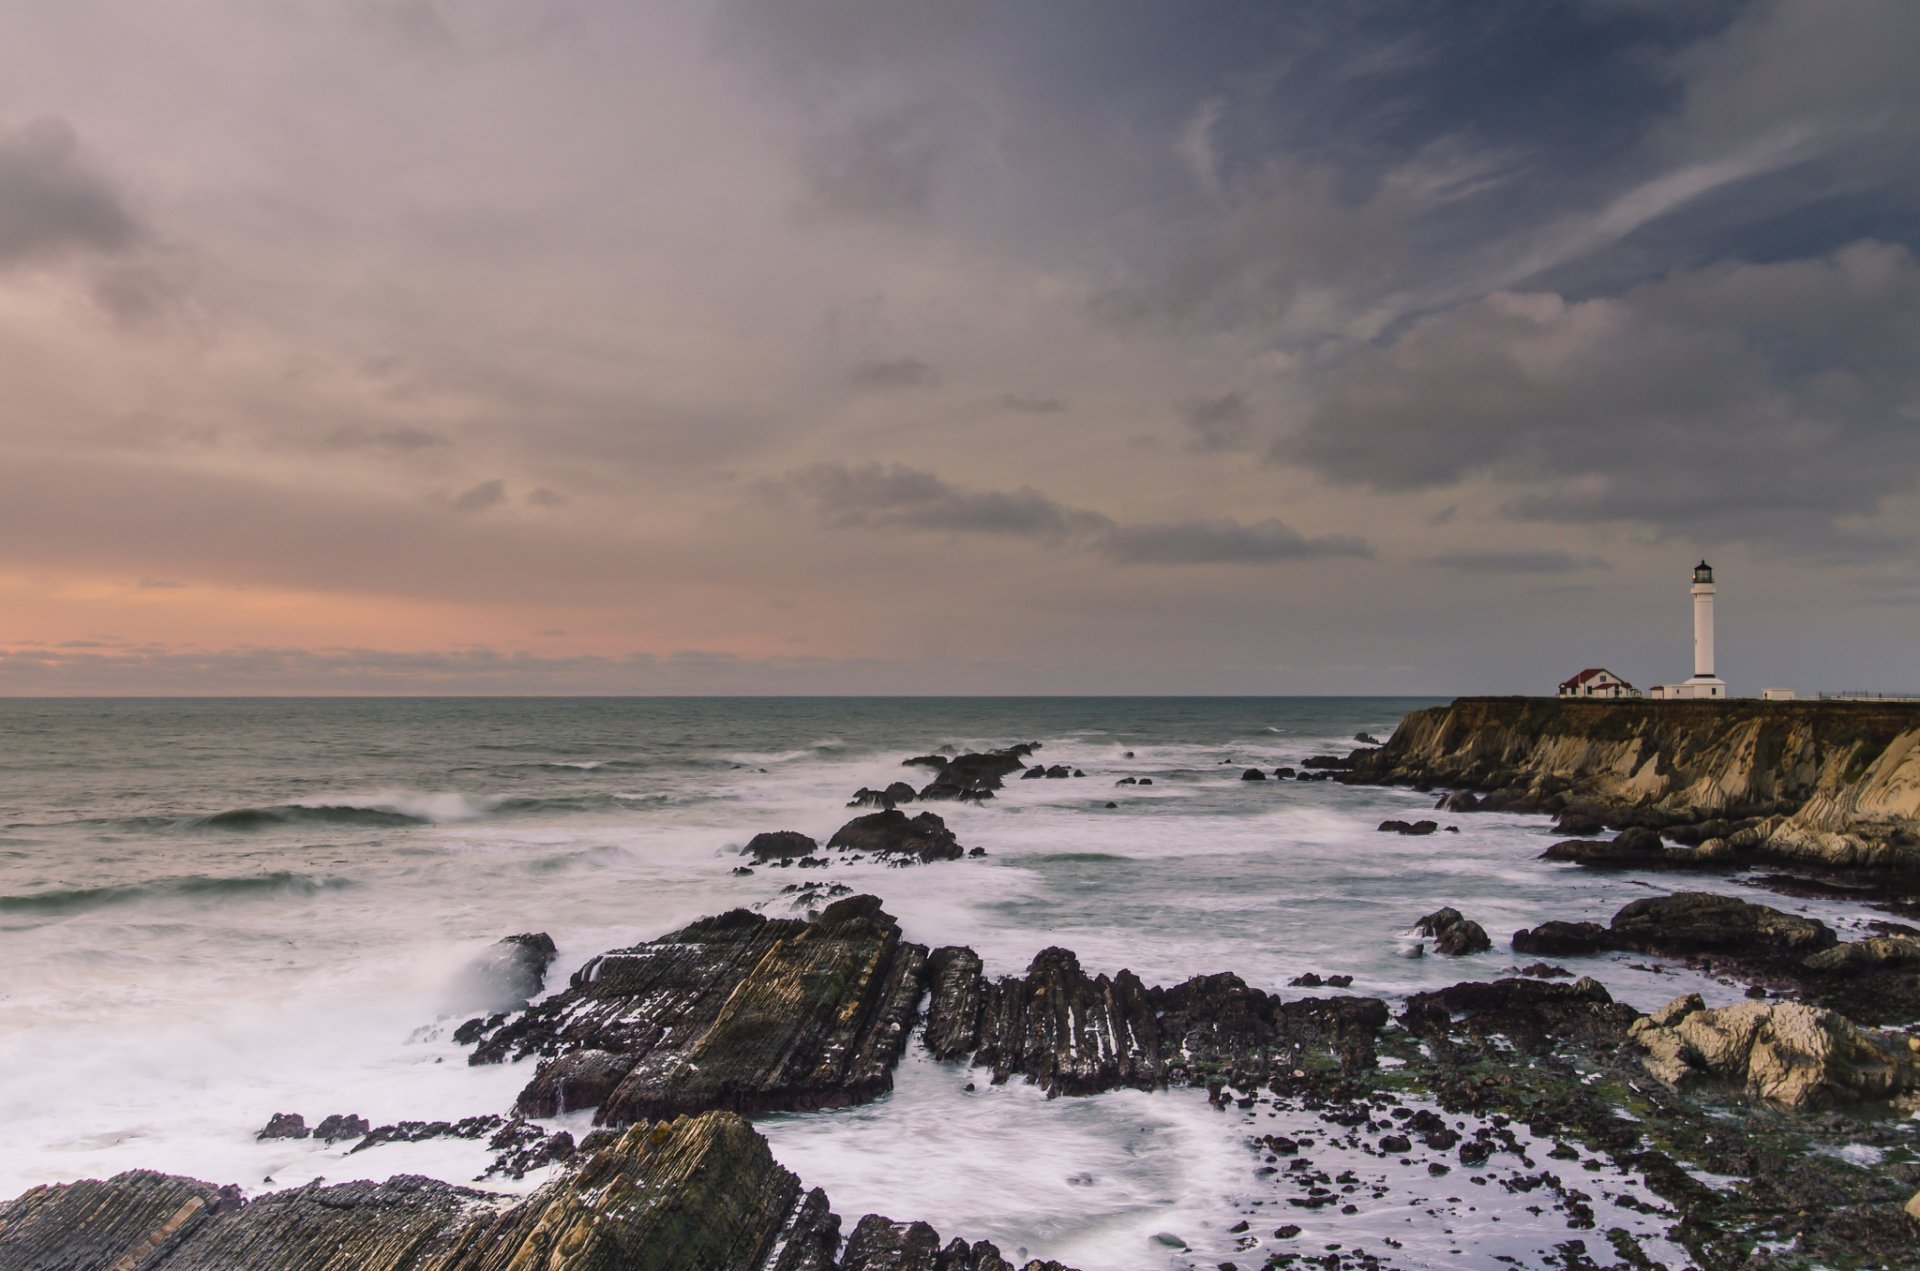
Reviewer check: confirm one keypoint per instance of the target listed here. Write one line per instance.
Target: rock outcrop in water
(737, 1012)
(696, 1194)
(1078, 1034)
(1835, 783)
(895, 836)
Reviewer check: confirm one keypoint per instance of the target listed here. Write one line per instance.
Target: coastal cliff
(1835, 783)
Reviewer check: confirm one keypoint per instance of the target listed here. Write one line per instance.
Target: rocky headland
(1819, 782)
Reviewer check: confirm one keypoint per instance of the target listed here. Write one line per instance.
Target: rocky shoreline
(1679, 1136)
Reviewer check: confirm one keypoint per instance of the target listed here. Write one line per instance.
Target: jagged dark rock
(339, 1127)
(894, 835)
(1417, 828)
(738, 1012)
(1253, 774)
(881, 1244)
(1078, 1034)
(975, 776)
(701, 1192)
(780, 845)
(1453, 934)
(926, 761)
(284, 1125)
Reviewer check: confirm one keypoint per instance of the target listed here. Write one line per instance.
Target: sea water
(215, 910)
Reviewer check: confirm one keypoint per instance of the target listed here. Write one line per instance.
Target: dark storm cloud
(488, 494)
(53, 202)
(1218, 423)
(897, 495)
(900, 372)
(1223, 542)
(1766, 400)
(1519, 561)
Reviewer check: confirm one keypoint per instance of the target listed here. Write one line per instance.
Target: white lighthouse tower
(1703, 683)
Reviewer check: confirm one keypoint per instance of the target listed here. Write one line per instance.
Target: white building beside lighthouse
(1703, 683)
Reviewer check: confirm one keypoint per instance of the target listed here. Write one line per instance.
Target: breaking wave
(81, 899)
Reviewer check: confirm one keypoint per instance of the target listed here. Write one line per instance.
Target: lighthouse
(1703, 683)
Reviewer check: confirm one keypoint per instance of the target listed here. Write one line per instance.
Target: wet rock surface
(977, 776)
(737, 1012)
(700, 1192)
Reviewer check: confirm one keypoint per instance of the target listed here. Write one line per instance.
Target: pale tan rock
(1783, 1052)
(1913, 1207)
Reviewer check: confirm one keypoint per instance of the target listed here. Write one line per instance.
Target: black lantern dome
(1703, 573)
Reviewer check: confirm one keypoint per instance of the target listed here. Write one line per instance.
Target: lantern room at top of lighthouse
(1703, 573)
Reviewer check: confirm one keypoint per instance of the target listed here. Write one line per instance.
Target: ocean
(213, 910)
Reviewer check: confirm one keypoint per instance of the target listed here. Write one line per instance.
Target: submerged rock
(1534, 1013)
(1692, 922)
(1404, 827)
(1787, 1053)
(736, 1012)
(510, 973)
(893, 834)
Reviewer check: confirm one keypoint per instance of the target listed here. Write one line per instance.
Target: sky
(851, 346)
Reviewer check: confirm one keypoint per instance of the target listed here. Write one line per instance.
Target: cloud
(900, 372)
(1218, 423)
(909, 497)
(1771, 401)
(1020, 404)
(545, 498)
(1517, 561)
(52, 201)
(878, 166)
(897, 495)
(488, 494)
(402, 438)
(160, 584)
(1223, 542)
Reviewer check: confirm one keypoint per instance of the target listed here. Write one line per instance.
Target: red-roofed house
(1597, 681)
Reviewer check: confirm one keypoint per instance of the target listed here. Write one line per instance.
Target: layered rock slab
(699, 1194)
(737, 1012)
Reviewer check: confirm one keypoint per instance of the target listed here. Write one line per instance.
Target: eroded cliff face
(1830, 782)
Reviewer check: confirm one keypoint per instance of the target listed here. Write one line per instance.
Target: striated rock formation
(738, 1012)
(1832, 782)
(697, 1194)
(1078, 1034)
(1783, 1052)
(1640, 848)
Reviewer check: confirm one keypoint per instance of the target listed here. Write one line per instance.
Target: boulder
(1453, 934)
(1534, 1013)
(1253, 774)
(1786, 1053)
(780, 845)
(1860, 957)
(925, 761)
(339, 1127)
(892, 834)
(1405, 827)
